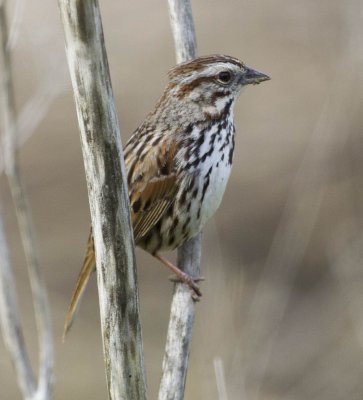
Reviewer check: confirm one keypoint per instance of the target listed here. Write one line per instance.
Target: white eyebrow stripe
(208, 71)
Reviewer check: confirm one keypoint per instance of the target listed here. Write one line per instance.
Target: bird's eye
(224, 77)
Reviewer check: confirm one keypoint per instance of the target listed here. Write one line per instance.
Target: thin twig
(220, 378)
(10, 321)
(16, 23)
(43, 389)
(180, 328)
(36, 108)
(182, 25)
(108, 196)
(182, 312)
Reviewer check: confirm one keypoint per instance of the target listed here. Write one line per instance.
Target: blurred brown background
(283, 297)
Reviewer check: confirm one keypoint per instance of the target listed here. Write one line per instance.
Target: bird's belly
(191, 210)
(200, 193)
(212, 186)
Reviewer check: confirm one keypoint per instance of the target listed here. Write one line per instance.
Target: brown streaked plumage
(179, 160)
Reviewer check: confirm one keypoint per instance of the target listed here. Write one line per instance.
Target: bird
(178, 161)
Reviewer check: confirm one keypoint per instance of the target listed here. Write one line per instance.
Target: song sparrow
(178, 161)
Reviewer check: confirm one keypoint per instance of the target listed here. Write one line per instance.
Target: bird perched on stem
(179, 160)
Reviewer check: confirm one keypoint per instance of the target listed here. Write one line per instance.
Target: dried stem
(220, 378)
(182, 25)
(41, 390)
(34, 110)
(178, 341)
(10, 321)
(182, 312)
(108, 196)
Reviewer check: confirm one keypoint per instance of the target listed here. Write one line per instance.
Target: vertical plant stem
(43, 389)
(178, 342)
(220, 378)
(182, 26)
(10, 321)
(108, 196)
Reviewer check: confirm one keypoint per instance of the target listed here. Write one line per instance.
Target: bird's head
(213, 77)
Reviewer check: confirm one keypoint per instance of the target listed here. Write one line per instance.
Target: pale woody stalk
(10, 319)
(178, 342)
(108, 195)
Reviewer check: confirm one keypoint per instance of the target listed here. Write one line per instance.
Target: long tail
(89, 265)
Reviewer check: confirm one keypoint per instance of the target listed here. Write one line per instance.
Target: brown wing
(149, 205)
(152, 182)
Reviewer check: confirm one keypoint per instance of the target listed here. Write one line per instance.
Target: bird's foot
(183, 277)
(191, 282)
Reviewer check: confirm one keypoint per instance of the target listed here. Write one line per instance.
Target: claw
(176, 278)
(191, 282)
(182, 276)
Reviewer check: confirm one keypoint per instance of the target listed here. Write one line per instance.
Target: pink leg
(184, 277)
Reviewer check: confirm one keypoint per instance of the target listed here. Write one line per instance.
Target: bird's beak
(251, 76)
